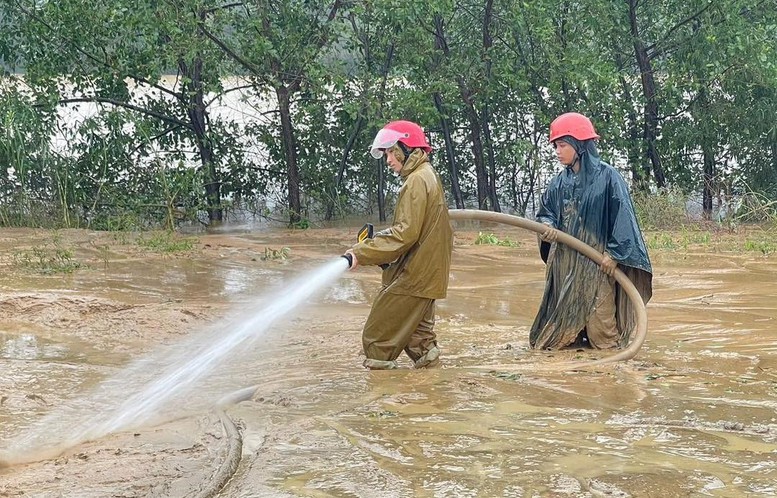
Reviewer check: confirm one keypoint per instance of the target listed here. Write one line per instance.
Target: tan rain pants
(398, 323)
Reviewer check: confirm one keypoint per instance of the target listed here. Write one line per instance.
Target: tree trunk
(492, 193)
(649, 93)
(486, 115)
(709, 180)
(453, 170)
(639, 174)
(290, 153)
(477, 146)
(472, 116)
(382, 101)
(450, 150)
(287, 83)
(708, 141)
(357, 129)
(197, 113)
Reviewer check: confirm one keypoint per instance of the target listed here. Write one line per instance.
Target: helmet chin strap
(577, 160)
(405, 151)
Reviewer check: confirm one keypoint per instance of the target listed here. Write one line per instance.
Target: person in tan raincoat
(415, 253)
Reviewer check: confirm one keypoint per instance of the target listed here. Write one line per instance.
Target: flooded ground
(694, 414)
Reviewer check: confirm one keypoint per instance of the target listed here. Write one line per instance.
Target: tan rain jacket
(419, 242)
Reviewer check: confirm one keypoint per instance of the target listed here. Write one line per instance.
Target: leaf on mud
(506, 375)
(382, 414)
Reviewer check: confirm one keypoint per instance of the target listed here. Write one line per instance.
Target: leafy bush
(663, 209)
(489, 239)
(166, 242)
(50, 258)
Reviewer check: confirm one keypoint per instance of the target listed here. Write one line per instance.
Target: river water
(692, 415)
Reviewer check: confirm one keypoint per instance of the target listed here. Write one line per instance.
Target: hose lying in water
(232, 453)
(583, 248)
(234, 444)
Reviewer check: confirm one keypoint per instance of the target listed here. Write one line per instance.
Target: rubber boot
(380, 364)
(430, 360)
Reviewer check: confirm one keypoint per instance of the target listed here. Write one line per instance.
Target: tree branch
(231, 53)
(91, 57)
(222, 7)
(157, 137)
(654, 50)
(131, 107)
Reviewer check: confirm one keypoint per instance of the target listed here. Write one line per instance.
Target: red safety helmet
(406, 132)
(574, 125)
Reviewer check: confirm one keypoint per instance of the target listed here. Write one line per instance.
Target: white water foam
(165, 380)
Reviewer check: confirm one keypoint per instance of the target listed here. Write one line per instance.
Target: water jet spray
(166, 377)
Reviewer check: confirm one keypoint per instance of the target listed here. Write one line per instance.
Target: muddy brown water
(694, 414)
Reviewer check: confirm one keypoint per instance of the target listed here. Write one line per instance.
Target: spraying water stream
(164, 384)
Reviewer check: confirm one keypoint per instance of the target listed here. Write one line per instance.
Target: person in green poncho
(582, 304)
(414, 252)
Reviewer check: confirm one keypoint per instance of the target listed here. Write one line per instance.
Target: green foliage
(663, 241)
(104, 250)
(382, 414)
(176, 112)
(124, 220)
(489, 239)
(121, 237)
(29, 165)
(49, 258)
(281, 254)
(506, 375)
(757, 208)
(673, 241)
(762, 242)
(165, 242)
(765, 246)
(123, 113)
(663, 209)
(302, 224)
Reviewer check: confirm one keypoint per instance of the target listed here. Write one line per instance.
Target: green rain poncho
(594, 206)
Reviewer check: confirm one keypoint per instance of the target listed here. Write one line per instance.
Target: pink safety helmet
(406, 132)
